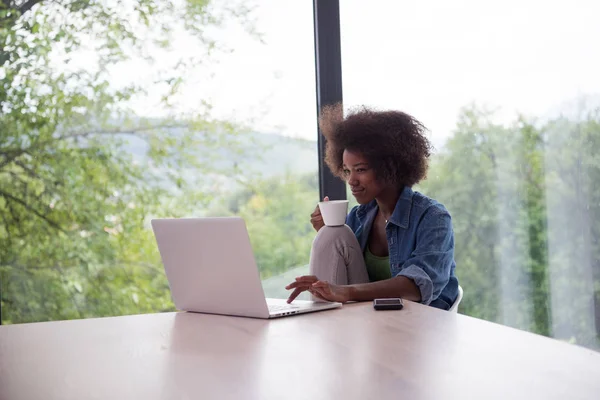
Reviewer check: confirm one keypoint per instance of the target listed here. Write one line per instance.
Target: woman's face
(361, 177)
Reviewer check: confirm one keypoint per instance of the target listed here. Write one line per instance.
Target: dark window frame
(328, 68)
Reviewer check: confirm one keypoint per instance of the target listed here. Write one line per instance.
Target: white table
(349, 353)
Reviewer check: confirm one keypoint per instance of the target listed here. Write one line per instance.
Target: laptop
(211, 268)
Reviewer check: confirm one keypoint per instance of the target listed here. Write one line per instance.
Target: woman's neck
(387, 200)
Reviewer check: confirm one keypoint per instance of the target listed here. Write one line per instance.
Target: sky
(428, 58)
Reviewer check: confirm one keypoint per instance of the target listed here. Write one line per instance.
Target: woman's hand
(316, 219)
(320, 289)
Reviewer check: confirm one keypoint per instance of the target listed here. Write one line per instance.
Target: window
(510, 94)
(115, 113)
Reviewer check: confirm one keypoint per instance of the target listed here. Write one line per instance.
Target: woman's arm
(399, 286)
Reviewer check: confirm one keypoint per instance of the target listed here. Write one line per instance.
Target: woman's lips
(356, 191)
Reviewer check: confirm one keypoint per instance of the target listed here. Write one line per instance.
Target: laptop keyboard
(282, 307)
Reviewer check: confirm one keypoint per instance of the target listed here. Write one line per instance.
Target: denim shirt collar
(400, 217)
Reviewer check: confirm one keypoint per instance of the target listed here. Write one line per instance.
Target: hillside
(266, 154)
(263, 155)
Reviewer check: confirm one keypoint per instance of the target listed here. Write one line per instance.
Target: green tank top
(377, 267)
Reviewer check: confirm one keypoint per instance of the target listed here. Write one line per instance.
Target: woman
(396, 242)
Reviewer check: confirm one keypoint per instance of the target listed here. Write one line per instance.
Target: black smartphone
(388, 304)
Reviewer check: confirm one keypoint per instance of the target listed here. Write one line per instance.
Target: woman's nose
(352, 180)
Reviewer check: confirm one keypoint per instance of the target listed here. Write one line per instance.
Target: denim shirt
(420, 241)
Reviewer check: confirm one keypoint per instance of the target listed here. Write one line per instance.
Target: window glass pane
(116, 112)
(510, 94)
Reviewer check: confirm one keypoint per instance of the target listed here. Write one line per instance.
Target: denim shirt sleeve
(430, 263)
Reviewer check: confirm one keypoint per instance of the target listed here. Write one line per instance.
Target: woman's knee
(332, 254)
(328, 235)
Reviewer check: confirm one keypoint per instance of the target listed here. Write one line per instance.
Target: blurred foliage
(80, 173)
(525, 204)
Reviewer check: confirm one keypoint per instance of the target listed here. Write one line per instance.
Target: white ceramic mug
(334, 212)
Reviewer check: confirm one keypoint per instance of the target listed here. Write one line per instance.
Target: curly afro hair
(394, 143)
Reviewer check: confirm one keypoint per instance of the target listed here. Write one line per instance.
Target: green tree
(523, 198)
(75, 198)
(573, 202)
(276, 211)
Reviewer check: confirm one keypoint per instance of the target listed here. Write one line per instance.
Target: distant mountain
(276, 154)
(263, 154)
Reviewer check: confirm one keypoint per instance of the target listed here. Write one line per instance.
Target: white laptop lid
(210, 265)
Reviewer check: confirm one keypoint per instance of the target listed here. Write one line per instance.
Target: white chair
(454, 307)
